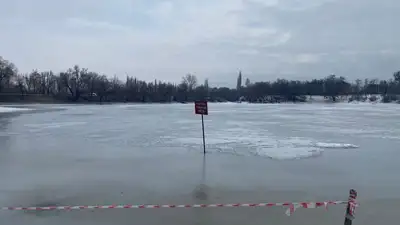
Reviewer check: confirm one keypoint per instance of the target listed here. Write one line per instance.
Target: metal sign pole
(201, 108)
(204, 138)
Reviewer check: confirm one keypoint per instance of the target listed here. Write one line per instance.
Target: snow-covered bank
(12, 109)
(373, 99)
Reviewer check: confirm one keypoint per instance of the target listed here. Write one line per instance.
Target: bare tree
(21, 84)
(190, 81)
(247, 82)
(396, 76)
(206, 86)
(7, 72)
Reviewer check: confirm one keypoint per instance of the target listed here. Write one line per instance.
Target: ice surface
(247, 142)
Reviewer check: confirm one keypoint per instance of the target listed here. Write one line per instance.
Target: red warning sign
(200, 107)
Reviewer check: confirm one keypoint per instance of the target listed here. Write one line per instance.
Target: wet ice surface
(151, 154)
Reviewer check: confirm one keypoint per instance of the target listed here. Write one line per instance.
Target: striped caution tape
(292, 206)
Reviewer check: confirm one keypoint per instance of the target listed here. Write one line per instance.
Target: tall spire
(239, 81)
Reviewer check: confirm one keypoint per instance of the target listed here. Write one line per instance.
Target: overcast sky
(266, 39)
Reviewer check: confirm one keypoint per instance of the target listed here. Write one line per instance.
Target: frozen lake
(152, 154)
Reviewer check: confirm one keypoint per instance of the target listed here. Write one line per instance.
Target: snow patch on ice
(288, 153)
(246, 142)
(12, 109)
(42, 126)
(334, 145)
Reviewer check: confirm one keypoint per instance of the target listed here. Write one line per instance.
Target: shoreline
(267, 99)
(3, 104)
(319, 100)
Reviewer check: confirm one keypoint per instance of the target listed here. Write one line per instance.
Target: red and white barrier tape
(292, 206)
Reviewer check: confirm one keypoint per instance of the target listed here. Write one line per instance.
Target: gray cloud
(266, 39)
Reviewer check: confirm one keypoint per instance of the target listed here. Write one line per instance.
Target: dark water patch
(201, 192)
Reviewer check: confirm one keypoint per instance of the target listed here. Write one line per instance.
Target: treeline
(81, 85)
